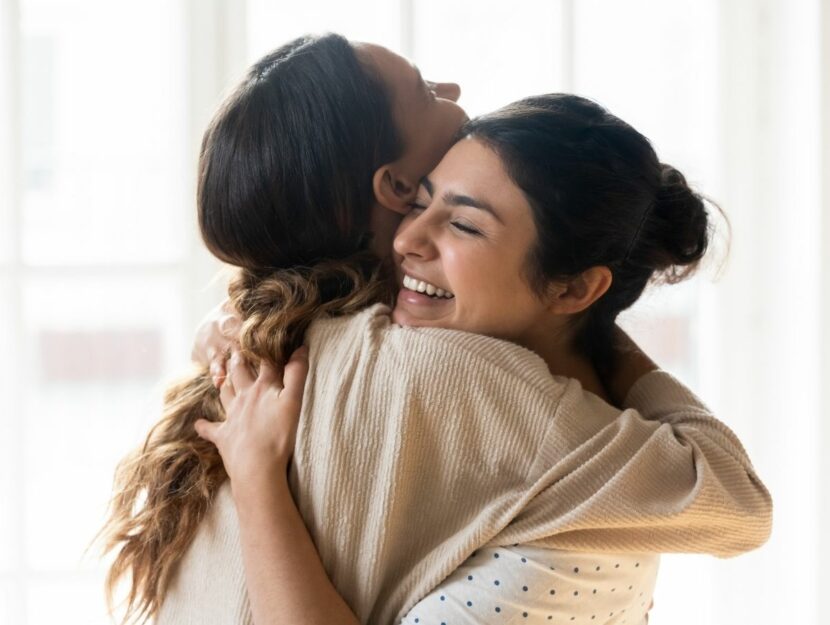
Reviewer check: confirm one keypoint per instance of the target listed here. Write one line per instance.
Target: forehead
(474, 169)
(471, 163)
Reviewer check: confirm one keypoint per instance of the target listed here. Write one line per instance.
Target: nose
(447, 90)
(413, 238)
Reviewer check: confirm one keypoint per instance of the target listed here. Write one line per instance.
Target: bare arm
(285, 578)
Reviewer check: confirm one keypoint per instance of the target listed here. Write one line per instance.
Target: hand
(261, 417)
(632, 363)
(217, 334)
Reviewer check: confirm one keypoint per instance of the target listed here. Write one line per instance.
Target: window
(103, 278)
(98, 277)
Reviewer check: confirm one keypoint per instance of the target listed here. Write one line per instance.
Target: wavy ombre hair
(284, 193)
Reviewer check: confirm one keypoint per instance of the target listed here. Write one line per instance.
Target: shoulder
(429, 353)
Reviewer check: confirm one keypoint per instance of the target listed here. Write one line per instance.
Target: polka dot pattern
(525, 584)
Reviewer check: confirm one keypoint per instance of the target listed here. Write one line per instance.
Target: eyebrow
(455, 199)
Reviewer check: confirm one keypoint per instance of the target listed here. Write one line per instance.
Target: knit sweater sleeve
(418, 446)
(437, 442)
(414, 448)
(668, 477)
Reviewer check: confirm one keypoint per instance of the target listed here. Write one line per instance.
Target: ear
(393, 189)
(580, 292)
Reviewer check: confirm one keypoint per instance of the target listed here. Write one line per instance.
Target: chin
(401, 318)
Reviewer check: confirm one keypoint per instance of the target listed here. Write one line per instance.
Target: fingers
(226, 394)
(239, 377)
(229, 325)
(217, 371)
(239, 372)
(210, 339)
(296, 371)
(228, 320)
(269, 375)
(206, 429)
(218, 364)
(227, 306)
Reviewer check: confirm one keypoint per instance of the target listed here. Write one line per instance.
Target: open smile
(421, 286)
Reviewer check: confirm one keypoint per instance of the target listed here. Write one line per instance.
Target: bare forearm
(287, 583)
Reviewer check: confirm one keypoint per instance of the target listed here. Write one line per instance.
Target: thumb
(206, 429)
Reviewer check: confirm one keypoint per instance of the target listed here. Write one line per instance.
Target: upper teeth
(424, 287)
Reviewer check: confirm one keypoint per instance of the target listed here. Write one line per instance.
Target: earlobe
(393, 191)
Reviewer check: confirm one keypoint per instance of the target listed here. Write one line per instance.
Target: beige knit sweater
(417, 446)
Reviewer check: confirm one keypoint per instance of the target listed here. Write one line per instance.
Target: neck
(555, 347)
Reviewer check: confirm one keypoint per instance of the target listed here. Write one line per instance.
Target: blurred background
(103, 278)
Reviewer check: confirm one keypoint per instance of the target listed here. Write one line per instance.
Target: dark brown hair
(284, 192)
(600, 197)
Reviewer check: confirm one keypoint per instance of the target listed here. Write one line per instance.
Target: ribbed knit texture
(209, 587)
(418, 446)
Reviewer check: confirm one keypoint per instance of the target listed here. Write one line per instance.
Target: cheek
(486, 281)
(493, 293)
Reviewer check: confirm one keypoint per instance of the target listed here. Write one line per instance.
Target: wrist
(252, 486)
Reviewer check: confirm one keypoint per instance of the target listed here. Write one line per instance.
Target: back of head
(284, 193)
(285, 172)
(600, 197)
(285, 186)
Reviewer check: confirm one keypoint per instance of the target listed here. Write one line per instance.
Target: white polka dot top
(418, 446)
(533, 585)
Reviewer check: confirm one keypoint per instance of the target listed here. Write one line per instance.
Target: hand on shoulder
(216, 335)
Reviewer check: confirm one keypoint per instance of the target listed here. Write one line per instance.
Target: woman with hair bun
(481, 419)
(541, 224)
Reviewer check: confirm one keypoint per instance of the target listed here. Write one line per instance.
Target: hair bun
(682, 223)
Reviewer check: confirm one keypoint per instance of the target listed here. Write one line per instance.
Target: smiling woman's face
(469, 235)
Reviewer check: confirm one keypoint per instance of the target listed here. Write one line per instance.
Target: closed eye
(465, 228)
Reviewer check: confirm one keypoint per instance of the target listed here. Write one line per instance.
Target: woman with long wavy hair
(302, 173)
